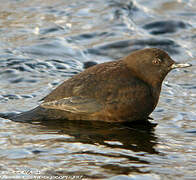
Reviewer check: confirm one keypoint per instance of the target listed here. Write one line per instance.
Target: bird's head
(151, 65)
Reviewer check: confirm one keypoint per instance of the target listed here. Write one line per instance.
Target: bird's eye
(156, 61)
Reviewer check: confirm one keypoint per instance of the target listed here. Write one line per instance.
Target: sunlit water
(42, 43)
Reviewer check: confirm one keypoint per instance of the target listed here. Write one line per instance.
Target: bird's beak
(179, 65)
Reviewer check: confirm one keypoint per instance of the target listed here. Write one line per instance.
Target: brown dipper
(124, 90)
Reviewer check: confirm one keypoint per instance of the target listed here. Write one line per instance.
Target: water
(42, 43)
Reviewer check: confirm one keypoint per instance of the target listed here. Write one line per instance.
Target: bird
(123, 90)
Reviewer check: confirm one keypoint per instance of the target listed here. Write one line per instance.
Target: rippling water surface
(42, 43)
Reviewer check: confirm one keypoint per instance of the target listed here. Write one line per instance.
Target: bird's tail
(29, 116)
(8, 115)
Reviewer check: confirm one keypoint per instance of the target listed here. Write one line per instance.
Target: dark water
(42, 43)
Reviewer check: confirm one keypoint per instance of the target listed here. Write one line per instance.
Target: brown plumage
(124, 90)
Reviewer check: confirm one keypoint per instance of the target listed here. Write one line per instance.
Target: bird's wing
(74, 104)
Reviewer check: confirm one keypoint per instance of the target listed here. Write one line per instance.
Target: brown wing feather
(77, 105)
